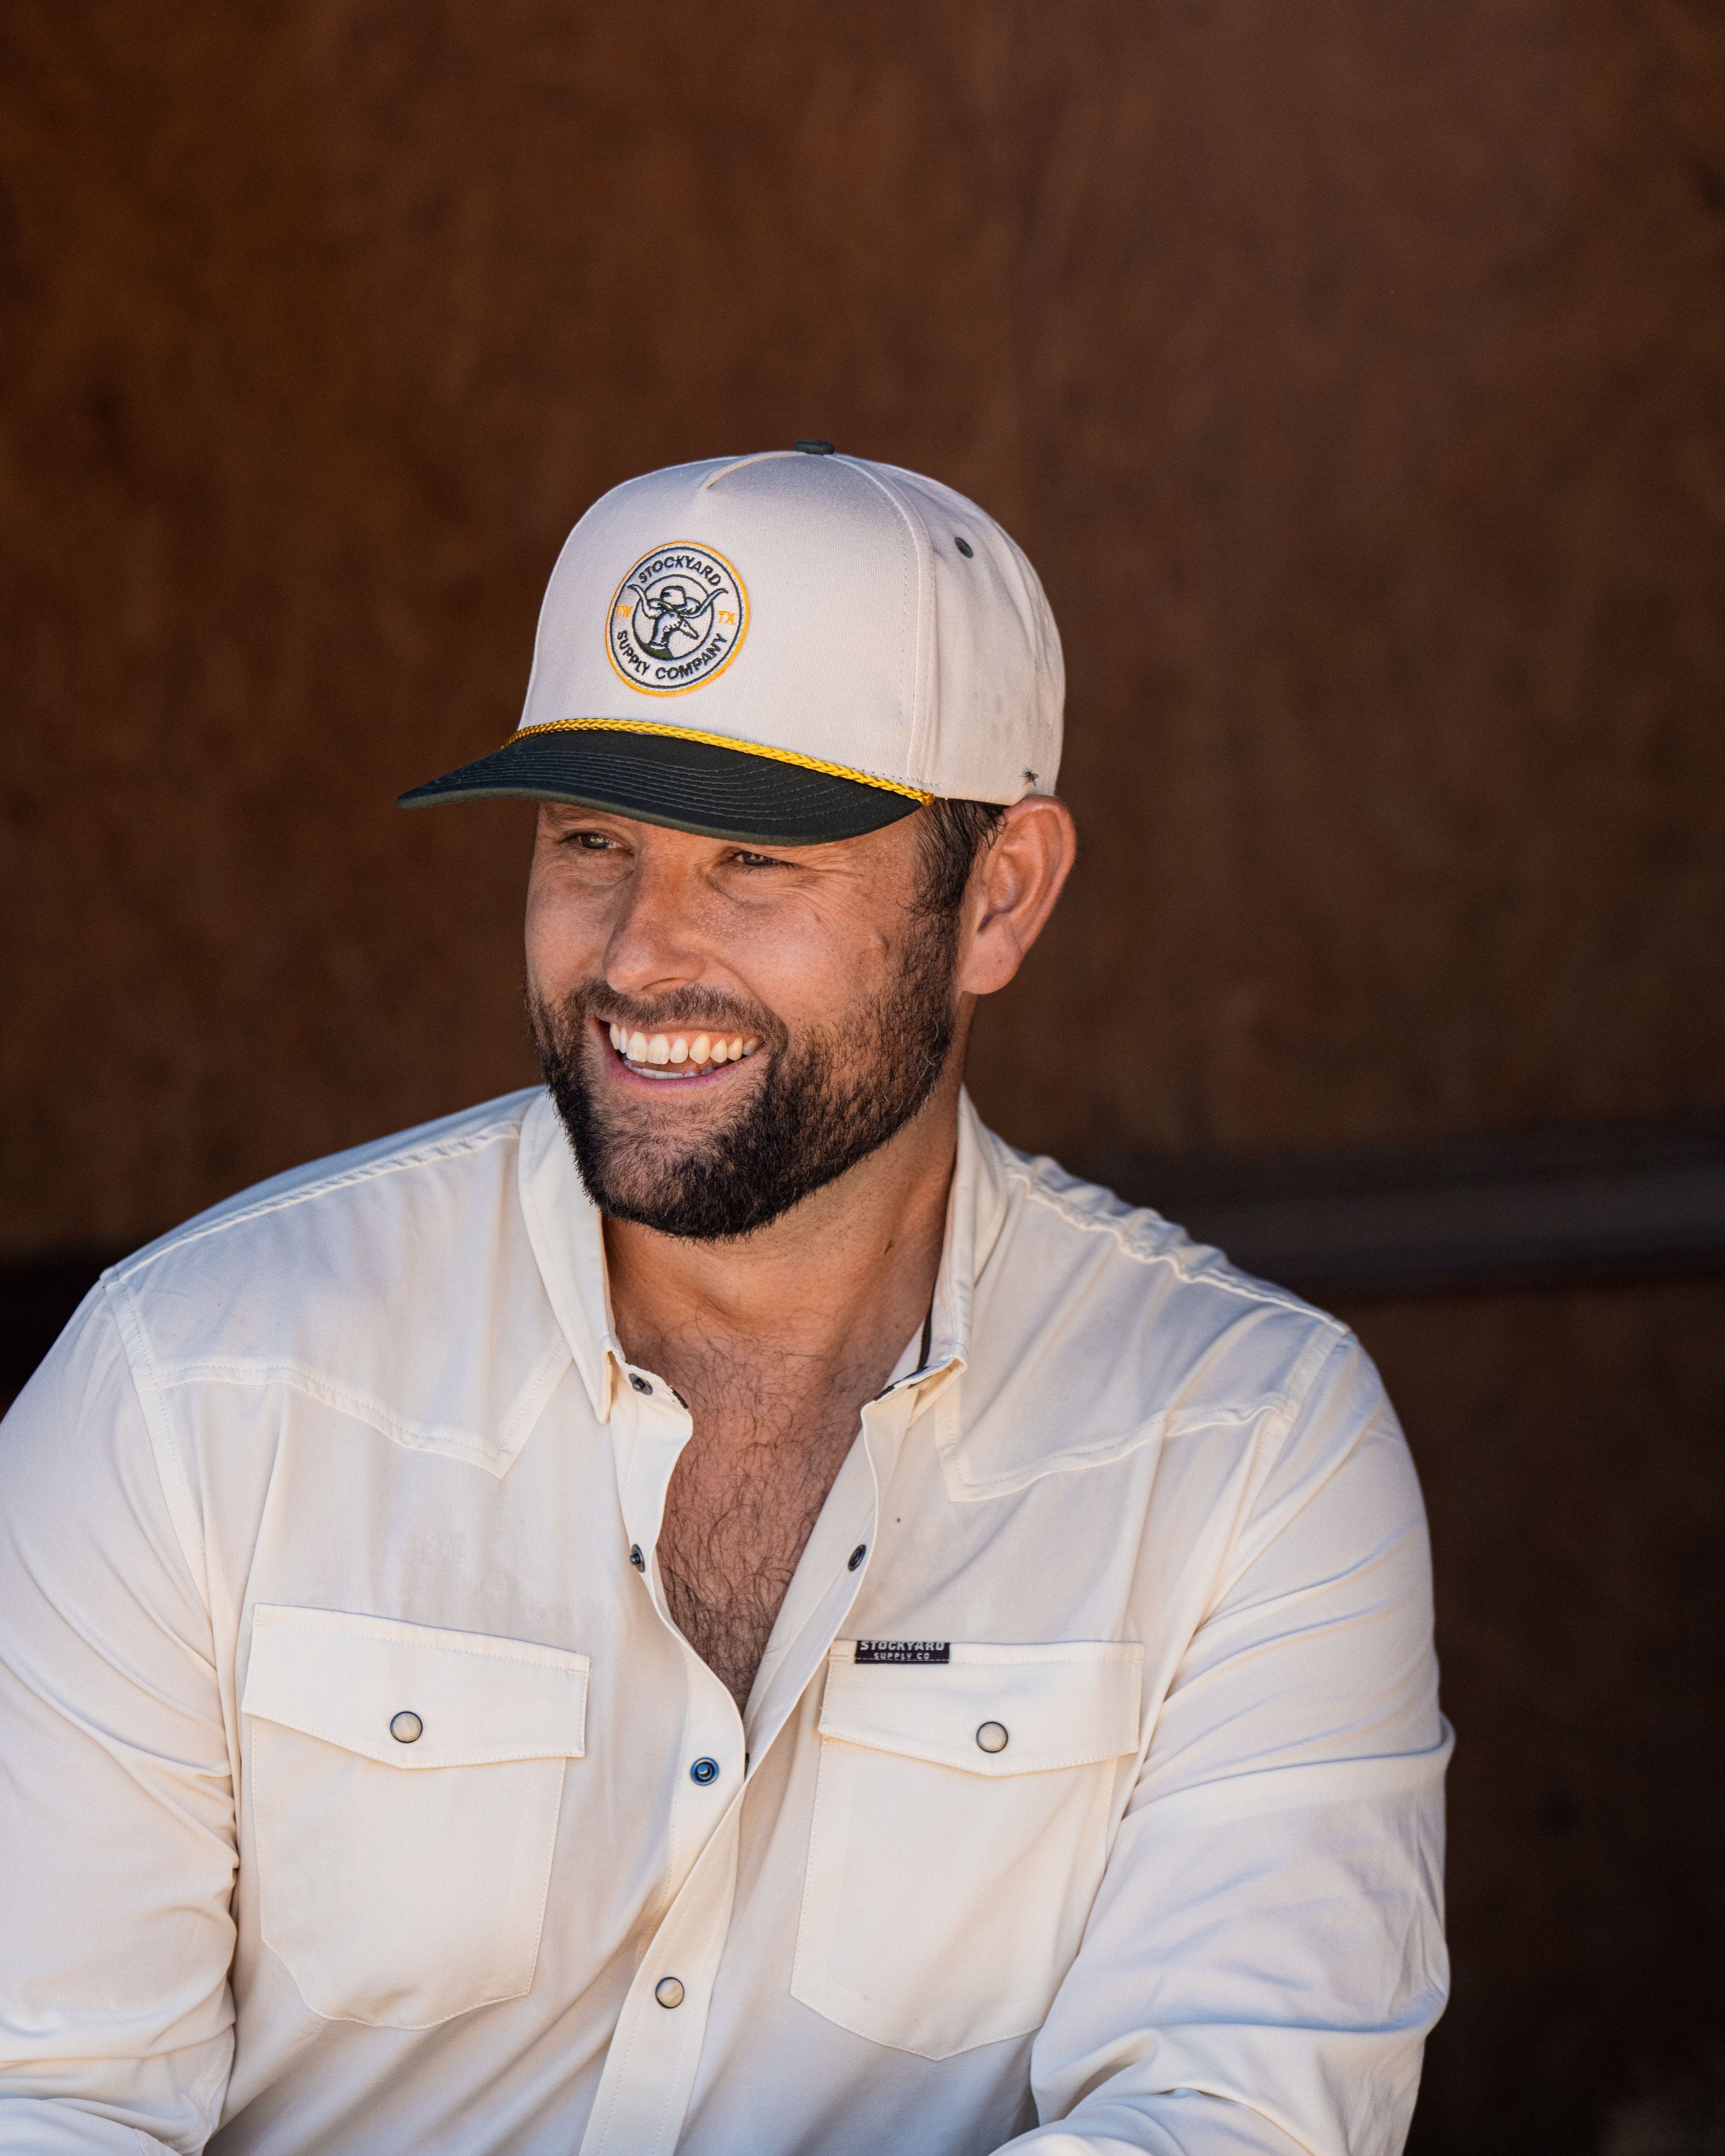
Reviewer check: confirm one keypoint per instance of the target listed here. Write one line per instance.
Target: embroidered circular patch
(676, 619)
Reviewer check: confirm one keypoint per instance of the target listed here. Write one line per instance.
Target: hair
(955, 835)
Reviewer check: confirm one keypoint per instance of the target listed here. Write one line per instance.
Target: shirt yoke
(1101, 1328)
(358, 1281)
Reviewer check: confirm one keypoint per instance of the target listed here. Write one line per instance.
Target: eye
(748, 860)
(592, 842)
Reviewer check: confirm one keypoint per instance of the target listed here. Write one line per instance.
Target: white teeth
(660, 1049)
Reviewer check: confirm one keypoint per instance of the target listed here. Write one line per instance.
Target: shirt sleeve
(116, 1812)
(1266, 1954)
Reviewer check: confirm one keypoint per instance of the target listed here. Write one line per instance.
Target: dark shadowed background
(1352, 372)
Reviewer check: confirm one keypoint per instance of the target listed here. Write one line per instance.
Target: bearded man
(714, 1606)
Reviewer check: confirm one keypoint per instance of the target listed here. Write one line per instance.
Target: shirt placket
(654, 2053)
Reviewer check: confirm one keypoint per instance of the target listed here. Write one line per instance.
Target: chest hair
(745, 1495)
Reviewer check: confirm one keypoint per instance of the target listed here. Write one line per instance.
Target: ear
(1013, 889)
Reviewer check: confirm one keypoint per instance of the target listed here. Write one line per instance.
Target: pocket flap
(476, 1699)
(1069, 1704)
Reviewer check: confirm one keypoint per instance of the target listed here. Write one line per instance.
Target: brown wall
(1352, 372)
(1570, 1446)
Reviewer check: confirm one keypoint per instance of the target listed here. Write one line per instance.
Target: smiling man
(714, 1606)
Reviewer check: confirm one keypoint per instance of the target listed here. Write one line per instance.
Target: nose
(655, 944)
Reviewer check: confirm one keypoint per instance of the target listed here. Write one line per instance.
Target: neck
(842, 1280)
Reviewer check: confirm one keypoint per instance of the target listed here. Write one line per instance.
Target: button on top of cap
(816, 448)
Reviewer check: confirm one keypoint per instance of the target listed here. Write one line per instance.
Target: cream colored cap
(788, 647)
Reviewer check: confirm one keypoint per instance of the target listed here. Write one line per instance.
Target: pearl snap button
(991, 1737)
(668, 1991)
(638, 1381)
(704, 1771)
(406, 1727)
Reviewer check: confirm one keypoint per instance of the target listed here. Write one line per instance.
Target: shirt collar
(975, 1208)
(568, 1240)
(567, 1236)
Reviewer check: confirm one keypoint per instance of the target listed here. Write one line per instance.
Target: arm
(116, 1815)
(1266, 1954)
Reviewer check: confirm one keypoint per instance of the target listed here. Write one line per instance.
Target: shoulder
(1088, 1241)
(321, 1209)
(1099, 1327)
(350, 1277)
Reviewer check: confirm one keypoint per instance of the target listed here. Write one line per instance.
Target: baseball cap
(782, 648)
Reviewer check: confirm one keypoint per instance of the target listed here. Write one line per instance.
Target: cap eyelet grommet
(638, 1381)
(406, 1727)
(816, 448)
(704, 1773)
(964, 547)
(991, 1737)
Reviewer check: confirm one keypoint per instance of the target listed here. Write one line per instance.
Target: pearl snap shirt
(357, 1792)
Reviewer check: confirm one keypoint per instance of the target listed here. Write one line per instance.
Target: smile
(674, 1055)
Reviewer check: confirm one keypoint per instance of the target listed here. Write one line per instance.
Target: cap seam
(913, 742)
(544, 604)
(741, 464)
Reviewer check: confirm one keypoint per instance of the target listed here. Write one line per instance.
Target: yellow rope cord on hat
(721, 740)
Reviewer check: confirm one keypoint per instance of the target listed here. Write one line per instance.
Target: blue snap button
(856, 1557)
(635, 1558)
(704, 1771)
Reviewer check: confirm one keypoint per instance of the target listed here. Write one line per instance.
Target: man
(714, 1606)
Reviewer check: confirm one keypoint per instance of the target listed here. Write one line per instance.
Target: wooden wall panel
(1351, 372)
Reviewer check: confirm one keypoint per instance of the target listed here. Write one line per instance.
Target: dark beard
(816, 1112)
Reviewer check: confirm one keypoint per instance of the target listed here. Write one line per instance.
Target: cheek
(566, 930)
(812, 967)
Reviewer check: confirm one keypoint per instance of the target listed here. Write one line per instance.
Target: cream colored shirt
(357, 1792)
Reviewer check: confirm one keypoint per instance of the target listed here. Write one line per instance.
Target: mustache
(710, 1009)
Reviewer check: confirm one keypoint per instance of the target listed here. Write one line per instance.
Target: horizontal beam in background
(1526, 1209)
(1529, 1209)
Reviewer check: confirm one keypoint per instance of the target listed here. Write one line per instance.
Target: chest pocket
(960, 1830)
(405, 1785)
